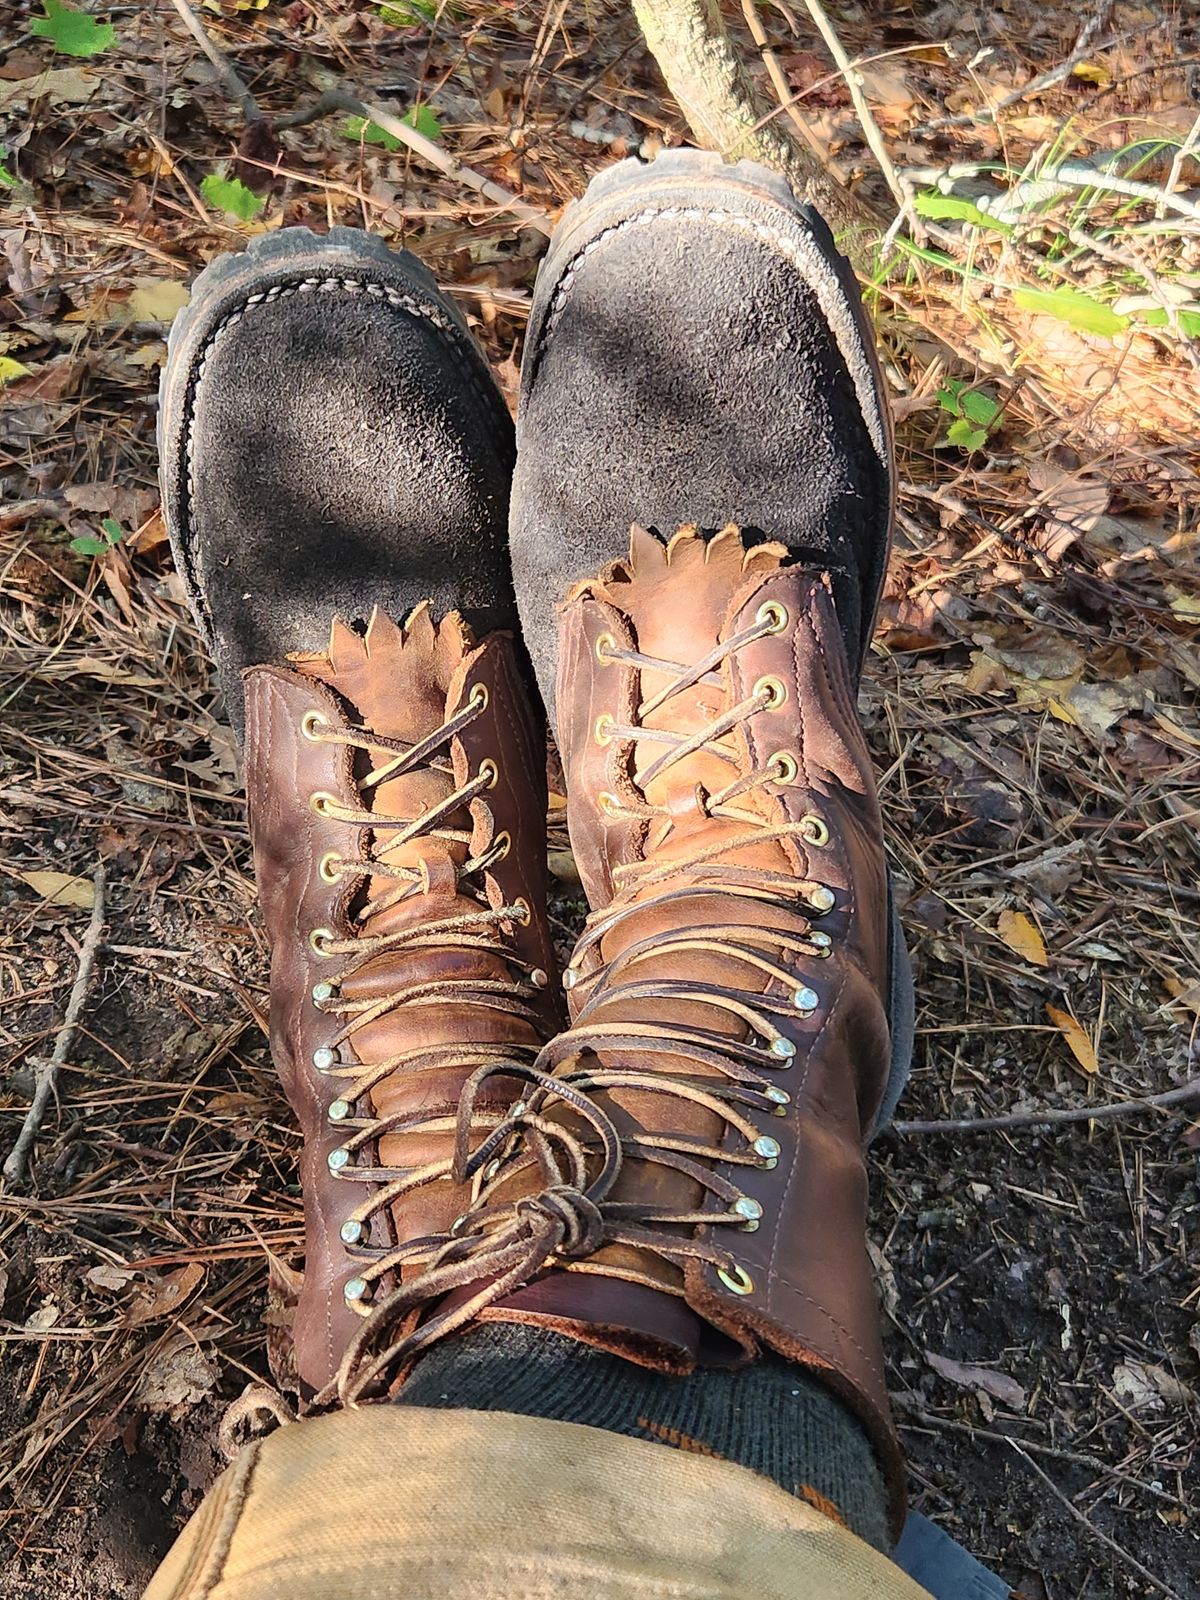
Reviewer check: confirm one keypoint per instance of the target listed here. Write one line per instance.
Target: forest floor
(1031, 697)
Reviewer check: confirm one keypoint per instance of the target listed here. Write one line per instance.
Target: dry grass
(1032, 702)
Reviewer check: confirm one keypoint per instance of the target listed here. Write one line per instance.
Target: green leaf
(424, 121)
(73, 33)
(1074, 307)
(949, 396)
(980, 408)
(1156, 317)
(962, 433)
(87, 544)
(10, 369)
(7, 179)
(369, 133)
(951, 208)
(111, 529)
(232, 196)
(408, 14)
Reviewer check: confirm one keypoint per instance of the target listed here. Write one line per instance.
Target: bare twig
(726, 112)
(47, 1072)
(866, 116)
(433, 154)
(1186, 149)
(1085, 46)
(1183, 1095)
(1051, 183)
(1130, 1561)
(230, 82)
(334, 98)
(787, 101)
(1102, 1469)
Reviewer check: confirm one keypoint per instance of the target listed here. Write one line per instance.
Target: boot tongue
(679, 598)
(397, 682)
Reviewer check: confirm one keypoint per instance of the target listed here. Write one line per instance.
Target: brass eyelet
(775, 693)
(785, 765)
(319, 938)
(742, 1283)
(816, 831)
(524, 914)
(328, 862)
(604, 643)
(608, 803)
(503, 843)
(489, 770)
(767, 1150)
(773, 616)
(479, 697)
(539, 978)
(603, 729)
(321, 801)
(310, 722)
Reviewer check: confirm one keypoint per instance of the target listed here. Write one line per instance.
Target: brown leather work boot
(333, 447)
(684, 1183)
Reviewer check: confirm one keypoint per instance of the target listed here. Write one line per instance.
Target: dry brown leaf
(1078, 1040)
(43, 1319)
(166, 1295)
(61, 85)
(158, 300)
(1020, 933)
(1184, 994)
(109, 672)
(563, 866)
(61, 888)
(997, 1384)
(107, 1276)
(1073, 505)
(175, 1379)
(1095, 707)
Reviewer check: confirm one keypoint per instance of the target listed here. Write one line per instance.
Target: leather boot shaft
(391, 781)
(729, 996)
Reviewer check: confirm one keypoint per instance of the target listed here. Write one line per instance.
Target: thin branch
(787, 101)
(425, 149)
(230, 82)
(1183, 1095)
(1102, 1469)
(1130, 1561)
(726, 113)
(866, 116)
(1085, 45)
(47, 1071)
(337, 99)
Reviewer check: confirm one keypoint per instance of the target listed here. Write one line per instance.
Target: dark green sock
(771, 1416)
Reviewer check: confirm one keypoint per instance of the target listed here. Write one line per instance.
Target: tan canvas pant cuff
(389, 1502)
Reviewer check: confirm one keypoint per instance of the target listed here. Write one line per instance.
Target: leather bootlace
(560, 1126)
(487, 931)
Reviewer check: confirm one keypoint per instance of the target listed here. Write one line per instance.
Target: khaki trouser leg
(397, 1503)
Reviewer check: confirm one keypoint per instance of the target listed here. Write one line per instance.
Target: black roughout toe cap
(332, 441)
(697, 355)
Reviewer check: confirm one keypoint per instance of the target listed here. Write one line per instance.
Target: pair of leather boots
(658, 1150)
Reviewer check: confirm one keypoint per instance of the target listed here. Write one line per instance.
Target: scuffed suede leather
(328, 449)
(680, 370)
